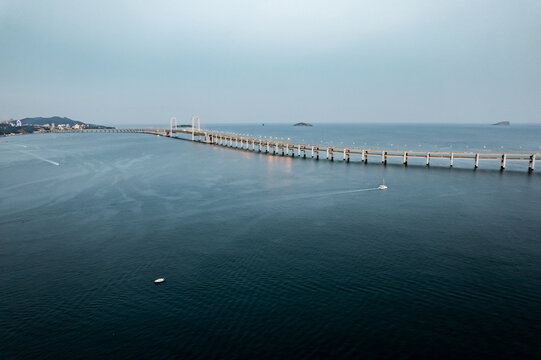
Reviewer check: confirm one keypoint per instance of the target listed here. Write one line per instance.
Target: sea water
(268, 256)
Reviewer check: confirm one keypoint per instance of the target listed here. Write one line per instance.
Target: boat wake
(40, 158)
(330, 193)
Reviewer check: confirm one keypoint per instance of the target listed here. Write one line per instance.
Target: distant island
(302, 124)
(43, 125)
(502, 123)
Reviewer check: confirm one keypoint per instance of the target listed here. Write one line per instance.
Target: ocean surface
(268, 256)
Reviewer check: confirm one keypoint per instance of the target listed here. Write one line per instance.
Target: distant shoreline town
(44, 125)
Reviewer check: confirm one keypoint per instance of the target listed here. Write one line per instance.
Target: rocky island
(302, 124)
(502, 123)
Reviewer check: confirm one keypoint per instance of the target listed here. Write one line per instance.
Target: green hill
(57, 120)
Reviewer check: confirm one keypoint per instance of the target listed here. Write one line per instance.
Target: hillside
(55, 119)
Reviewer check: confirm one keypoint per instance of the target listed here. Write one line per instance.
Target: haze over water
(267, 256)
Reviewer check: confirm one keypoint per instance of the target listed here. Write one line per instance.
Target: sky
(141, 62)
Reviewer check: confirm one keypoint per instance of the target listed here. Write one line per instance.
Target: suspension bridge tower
(194, 119)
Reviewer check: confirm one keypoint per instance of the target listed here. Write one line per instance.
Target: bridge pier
(216, 138)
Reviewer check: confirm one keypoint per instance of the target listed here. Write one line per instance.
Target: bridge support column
(427, 159)
(452, 159)
(298, 150)
(275, 148)
(327, 154)
(504, 158)
(332, 154)
(476, 160)
(405, 159)
(363, 155)
(384, 157)
(532, 163)
(344, 154)
(312, 152)
(267, 147)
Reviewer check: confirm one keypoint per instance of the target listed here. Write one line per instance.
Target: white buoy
(159, 281)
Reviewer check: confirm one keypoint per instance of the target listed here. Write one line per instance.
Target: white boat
(159, 281)
(382, 187)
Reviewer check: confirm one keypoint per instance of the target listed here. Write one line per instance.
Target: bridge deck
(329, 151)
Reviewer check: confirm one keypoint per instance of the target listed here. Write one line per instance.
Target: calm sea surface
(268, 256)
